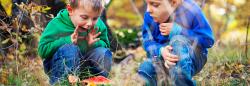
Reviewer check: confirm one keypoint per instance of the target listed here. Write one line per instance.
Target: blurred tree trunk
(246, 46)
(114, 45)
(56, 6)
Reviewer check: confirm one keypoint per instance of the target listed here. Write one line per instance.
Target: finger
(97, 39)
(172, 59)
(76, 29)
(171, 63)
(163, 33)
(170, 48)
(98, 34)
(165, 29)
(94, 40)
(162, 29)
(163, 24)
(74, 41)
(166, 64)
(166, 26)
(172, 56)
(74, 36)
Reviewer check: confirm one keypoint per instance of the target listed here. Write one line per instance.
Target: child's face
(83, 15)
(160, 10)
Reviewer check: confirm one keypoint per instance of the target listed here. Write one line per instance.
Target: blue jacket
(189, 20)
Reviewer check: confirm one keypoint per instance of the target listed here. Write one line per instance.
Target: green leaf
(6, 41)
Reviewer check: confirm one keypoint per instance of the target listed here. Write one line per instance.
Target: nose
(89, 24)
(149, 9)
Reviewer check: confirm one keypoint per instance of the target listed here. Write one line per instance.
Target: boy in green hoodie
(76, 40)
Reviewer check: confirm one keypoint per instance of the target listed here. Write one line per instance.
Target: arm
(49, 42)
(149, 44)
(200, 31)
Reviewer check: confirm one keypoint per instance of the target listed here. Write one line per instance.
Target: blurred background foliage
(23, 21)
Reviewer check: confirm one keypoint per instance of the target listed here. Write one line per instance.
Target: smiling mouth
(82, 29)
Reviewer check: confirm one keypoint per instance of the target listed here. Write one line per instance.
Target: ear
(70, 9)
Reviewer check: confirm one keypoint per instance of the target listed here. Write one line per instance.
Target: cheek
(94, 22)
(73, 19)
(163, 16)
(79, 20)
(160, 14)
(82, 22)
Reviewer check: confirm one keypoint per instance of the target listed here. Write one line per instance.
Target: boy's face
(83, 15)
(160, 10)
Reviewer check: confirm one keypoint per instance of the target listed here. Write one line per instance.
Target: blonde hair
(97, 5)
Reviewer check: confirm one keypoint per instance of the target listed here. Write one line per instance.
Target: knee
(67, 51)
(179, 39)
(102, 52)
(146, 69)
(182, 47)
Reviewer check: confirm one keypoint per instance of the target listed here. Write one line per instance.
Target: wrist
(161, 51)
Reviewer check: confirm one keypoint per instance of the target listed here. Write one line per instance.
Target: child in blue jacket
(176, 33)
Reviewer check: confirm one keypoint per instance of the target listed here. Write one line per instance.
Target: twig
(136, 10)
(17, 31)
(246, 48)
(203, 3)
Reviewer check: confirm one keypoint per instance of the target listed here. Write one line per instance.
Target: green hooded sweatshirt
(58, 33)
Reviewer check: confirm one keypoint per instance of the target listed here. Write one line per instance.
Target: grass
(226, 66)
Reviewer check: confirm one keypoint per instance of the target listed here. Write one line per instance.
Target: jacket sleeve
(149, 44)
(49, 42)
(201, 31)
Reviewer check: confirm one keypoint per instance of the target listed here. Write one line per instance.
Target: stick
(246, 48)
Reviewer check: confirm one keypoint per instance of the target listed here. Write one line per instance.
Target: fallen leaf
(73, 79)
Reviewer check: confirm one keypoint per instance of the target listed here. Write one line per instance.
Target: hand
(165, 28)
(92, 37)
(75, 37)
(170, 59)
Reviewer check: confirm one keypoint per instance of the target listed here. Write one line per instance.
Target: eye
(95, 18)
(155, 4)
(84, 17)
